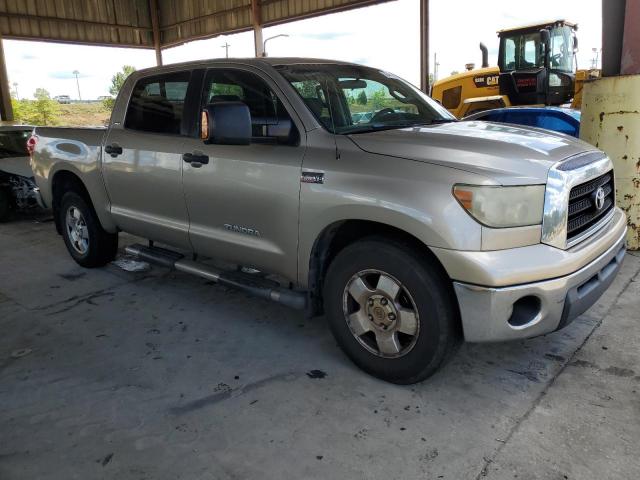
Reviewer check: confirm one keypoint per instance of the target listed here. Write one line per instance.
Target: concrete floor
(110, 374)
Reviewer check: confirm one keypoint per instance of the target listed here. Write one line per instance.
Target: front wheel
(87, 242)
(391, 310)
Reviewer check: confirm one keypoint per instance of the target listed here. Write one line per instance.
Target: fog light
(525, 311)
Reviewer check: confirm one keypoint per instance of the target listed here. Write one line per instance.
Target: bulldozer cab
(537, 63)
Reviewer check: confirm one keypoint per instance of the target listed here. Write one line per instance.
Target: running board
(254, 285)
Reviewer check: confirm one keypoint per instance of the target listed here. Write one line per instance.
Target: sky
(384, 36)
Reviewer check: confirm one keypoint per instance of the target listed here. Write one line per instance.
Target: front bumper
(525, 310)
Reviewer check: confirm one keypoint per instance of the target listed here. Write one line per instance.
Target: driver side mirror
(226, 123)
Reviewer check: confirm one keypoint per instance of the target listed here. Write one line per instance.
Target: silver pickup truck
(345, 191)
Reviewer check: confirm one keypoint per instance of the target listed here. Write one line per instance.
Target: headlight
(502, 207)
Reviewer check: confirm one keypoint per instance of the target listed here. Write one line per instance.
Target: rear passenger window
(157, 103)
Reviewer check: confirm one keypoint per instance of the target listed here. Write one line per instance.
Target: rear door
(243, 204)
(142, 160)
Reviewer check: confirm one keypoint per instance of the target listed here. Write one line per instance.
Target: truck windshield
(353, 99)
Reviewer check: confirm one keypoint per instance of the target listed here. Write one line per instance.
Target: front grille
(583, 213)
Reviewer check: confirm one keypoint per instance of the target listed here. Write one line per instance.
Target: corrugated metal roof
(128, 22)
(108, 22)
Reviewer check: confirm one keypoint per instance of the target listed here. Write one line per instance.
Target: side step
(254, 285)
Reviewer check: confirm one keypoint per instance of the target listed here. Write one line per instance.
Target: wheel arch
(336, 236)
(64, 180)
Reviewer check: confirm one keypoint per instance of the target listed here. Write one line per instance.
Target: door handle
(114, 150)
(195, 159)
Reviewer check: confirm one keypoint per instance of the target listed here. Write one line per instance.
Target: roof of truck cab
(259, 62)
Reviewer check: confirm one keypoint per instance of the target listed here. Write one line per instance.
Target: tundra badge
(312, 177)
(245, 230)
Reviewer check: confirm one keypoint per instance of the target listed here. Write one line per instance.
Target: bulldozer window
(562, 54)
(523, 51)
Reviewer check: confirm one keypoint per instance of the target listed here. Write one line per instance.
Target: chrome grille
(582, 210)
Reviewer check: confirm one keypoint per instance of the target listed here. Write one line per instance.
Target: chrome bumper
(532, 309)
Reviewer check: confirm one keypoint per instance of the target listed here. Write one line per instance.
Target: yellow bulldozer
(536, 66)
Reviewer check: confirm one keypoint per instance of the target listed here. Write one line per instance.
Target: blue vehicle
(563, 120)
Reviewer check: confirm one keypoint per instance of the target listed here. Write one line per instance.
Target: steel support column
(630, 58)
(424, 45)
(612, 28)
(6, 111)
(155, 26)
(257, 27)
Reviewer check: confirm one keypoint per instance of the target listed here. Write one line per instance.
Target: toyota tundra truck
(345, 191)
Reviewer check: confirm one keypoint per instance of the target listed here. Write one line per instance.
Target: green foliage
(116, 84)
(362, 98)
(307, 88)
(224, 89)
(18, 109)
(46, 110)
(378, 98)
(41, 111)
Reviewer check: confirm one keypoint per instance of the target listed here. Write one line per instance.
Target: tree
(116, 84)
(378, 98)
(42, 111)
(18, 109)
(362, 98)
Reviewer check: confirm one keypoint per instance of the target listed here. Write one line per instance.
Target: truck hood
(508, 154)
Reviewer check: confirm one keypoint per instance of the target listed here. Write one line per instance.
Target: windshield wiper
(442, 120)
(392, 126)
(375, 128)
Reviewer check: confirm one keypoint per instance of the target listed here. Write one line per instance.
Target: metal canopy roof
(130, 23)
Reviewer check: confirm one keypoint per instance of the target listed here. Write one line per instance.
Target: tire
(406, 339)
(5, 204)
(86, 240)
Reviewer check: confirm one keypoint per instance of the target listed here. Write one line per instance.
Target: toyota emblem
(599, 198)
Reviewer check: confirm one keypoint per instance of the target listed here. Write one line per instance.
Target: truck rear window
(157, 103)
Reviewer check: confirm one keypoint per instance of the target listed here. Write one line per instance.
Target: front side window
(354, 99)
(157, 103)
(270, 120)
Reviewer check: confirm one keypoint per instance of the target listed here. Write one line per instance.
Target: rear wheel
(391, 310)
(86, 240)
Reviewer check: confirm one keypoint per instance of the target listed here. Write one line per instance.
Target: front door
(142, 161)
(243, 204)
